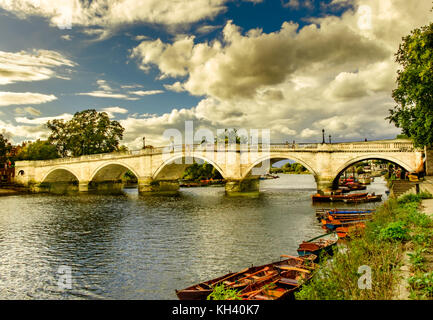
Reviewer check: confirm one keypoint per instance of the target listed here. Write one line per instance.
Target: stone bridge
(158, 169)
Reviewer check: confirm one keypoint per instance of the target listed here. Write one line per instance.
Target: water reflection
(133, 247)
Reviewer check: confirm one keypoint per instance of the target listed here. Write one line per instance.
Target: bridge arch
(366, 157)
(171, 161)
(395, 160)
(279, 157)
(111, 171)
(60, 174)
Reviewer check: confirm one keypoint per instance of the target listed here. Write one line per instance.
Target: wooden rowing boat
(344, 232)
(369, 198)
(333, 225)
(280, 287)
(317, 246)
(245, 277)
(324, 213)
(335, 198)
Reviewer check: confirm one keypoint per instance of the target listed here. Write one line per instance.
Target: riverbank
(12, 191)
(399, 234)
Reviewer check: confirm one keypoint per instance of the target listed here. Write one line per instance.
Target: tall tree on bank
(38, 150)
(414, 93)
(5, 148)
(88, 132)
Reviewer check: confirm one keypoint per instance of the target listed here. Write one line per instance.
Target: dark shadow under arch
(341, 171)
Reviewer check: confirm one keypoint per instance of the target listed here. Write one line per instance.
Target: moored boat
(245, 277)
(333, 225)
(317, 246)
(324, 213)
(334, 198)
(344, 232)
(369, 198)
(280, 287)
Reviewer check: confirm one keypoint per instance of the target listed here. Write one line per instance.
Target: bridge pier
(324, 184)
(149, 185)
(245, 187)
(83, 186)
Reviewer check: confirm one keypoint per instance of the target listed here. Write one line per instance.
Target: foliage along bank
(398, 226)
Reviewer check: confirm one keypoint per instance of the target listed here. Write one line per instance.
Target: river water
(134, 247)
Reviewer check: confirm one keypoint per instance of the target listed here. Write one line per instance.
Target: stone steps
(401, 187)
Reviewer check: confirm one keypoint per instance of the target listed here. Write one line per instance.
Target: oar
(293, 269)
(253, 274)
(234, 274)
(291, 257)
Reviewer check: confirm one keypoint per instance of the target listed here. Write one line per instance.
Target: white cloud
(115, 110)
(146, 93)
(107, 92)
(31, 66)
(43, 120)
(295, 81)
(103, 85)
(103, 94)
(20, 98)
(29, 110)
(176, 87)
(107, 15)
(330, 74)
(111, 111)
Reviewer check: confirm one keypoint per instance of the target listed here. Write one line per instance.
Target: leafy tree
(5, 148)
(88, 132)
(414, 93)
(38, 150)
(229, 136)
(203, 171)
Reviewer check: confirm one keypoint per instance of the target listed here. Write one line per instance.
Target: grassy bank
(398, 228)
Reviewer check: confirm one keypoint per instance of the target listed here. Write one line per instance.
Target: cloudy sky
(290, 66)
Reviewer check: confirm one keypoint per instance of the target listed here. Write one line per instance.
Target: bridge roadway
(158, 169)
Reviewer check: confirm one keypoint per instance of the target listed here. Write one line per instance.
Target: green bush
(416, 258)
(414, 198)
(395, 231)
(422, 284)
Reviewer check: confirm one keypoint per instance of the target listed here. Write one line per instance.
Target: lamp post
(323, 135)
(144, 142)
(330, 139)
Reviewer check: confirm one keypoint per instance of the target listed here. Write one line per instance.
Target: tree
(414, 92)
(38, 150)
(203, 171)
(88, 132)
(230, 136)
(5, 148)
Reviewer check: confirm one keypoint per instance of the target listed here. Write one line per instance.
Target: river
(135, 247)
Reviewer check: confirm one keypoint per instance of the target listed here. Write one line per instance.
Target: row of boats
(273, 281)
(344, 221)
(281, 279)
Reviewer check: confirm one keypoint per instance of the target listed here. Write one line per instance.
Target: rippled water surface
(133, 247)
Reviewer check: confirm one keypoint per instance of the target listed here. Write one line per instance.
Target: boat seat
(289, 281)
